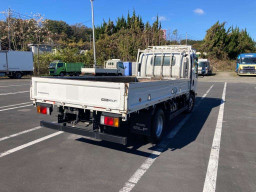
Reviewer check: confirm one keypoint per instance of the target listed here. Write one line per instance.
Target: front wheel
(62, 74)
(158, 125)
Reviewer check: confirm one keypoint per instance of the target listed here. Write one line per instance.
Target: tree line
(227, 43)
(117, 39)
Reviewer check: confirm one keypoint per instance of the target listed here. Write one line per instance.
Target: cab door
(120, 68)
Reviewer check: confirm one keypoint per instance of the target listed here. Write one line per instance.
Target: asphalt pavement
(211, 149)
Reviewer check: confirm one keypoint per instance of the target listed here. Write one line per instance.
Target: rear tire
(18, 75)
(191, 103)
(158, 125)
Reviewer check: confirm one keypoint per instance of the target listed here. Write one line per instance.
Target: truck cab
(166, 62)
(246, 64)
(56, 68)
(115, 64)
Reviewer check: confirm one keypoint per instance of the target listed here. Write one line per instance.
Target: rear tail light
(43, 110)
(109, 121)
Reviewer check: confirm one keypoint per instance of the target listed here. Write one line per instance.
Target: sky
(193, 17)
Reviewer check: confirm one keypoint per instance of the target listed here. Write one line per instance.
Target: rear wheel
(18, 75)
(191, 103)
(158, 125)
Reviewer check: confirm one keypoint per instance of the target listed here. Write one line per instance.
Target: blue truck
(246, 64)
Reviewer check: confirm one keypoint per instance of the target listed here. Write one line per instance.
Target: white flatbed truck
(111, 108)
(112, 67)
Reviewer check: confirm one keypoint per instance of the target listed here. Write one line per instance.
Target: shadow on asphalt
(209, 75)
(194, 125)
(186, 135)
(10, 80)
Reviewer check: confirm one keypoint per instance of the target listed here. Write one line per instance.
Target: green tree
(59, 29)
(216, 40)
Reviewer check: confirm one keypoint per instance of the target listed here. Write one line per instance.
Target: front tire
(158, 125)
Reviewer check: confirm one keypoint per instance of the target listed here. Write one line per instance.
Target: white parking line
(134, 179)
(13, 93)
(30, 105)
(29, 144)
(13, 85)
(207, 92)
(212, 170)
(20, 133)
(14, 105)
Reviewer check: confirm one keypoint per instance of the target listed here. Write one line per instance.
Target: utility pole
(9, 34)
(38, 47)
(90, 41)
(93, 35)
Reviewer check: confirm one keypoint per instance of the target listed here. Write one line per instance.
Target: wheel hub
(159, 127)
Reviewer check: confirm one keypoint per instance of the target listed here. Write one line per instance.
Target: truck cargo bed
(120, 95)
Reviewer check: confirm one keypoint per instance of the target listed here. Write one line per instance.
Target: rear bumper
(246, 74)
(83, 132)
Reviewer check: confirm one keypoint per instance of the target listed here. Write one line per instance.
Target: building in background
(43, 48)
(164, 33)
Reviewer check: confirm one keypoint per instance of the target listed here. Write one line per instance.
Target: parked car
(204, 67)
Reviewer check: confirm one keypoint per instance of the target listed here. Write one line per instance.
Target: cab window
(120, 65)
(157, 61)
(60, 65)
(167, 60)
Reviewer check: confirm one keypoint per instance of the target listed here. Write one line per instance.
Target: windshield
(52, 65)
(202, 64)
(249, 60)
